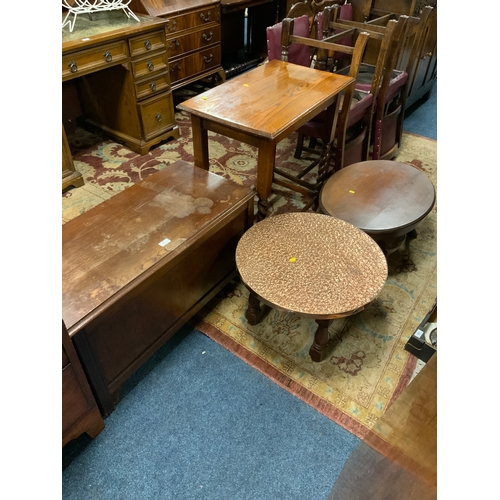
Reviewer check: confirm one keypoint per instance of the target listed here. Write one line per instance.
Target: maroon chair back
(297, 54)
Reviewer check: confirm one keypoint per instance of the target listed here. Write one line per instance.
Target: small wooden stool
(311, 264)
(386, 199)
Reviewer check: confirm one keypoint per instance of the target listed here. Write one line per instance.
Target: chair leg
(377, 133)
(312, 142)
(300, 144)
(401, 117)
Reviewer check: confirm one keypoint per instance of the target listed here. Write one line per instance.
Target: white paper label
(166, 241)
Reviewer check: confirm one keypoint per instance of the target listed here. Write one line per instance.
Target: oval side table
(314, 265)
(386, 199)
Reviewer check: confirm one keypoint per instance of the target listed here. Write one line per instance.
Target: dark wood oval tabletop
(386, 199)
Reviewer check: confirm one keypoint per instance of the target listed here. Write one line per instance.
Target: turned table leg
(262, 209)
(411, 235)
(255, 312)
(320, 341)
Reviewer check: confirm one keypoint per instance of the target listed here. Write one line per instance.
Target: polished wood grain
(398, 458)
(136, 267)
(193, 33)
(79, 408)
(386, 199)
(407, 432)
(262, 107)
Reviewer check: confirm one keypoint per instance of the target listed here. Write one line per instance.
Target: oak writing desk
(261, 107)
(123, 78)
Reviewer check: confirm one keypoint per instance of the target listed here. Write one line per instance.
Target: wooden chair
(298, 53)
(401, 62)
(382, 80)
(361, 116)
(333, 127)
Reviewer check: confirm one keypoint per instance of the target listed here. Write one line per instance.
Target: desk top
(269, 99)
(104, 27)
(378, 195)
(162, 8)
(311, 264)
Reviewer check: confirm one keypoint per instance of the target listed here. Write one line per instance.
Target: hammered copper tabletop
(312, 264)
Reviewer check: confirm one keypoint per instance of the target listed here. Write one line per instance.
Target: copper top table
(311, 264)
(386, 199)
(261, 107)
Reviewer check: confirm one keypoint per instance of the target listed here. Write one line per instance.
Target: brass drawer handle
(206, 18)
(158, 117)
(147, 44)
(108, 56)
(175, 67)
(209, 58)
(151, 66)
(153, 86)
(73, 67)
(173, 42)
(174, 25)
(207, 38)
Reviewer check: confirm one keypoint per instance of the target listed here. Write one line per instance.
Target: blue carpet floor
(421, 117)
(196, 422)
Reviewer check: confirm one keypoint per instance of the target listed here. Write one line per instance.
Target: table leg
(255, 311)
(411, 235)
(200, 143)
(265, 170)
(317, 350)
(389, 244)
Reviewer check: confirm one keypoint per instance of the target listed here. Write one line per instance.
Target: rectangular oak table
(261, 108)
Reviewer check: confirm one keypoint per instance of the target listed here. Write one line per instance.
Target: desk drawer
(157, 115)
(141, 45)
(146, 66)
(87, 61)
(195, 63)
(152, 86)
(200, 17)
(200, 39)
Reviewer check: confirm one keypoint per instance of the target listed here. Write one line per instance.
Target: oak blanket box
(139, 265)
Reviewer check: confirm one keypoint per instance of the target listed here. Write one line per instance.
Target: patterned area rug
(367, 366)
